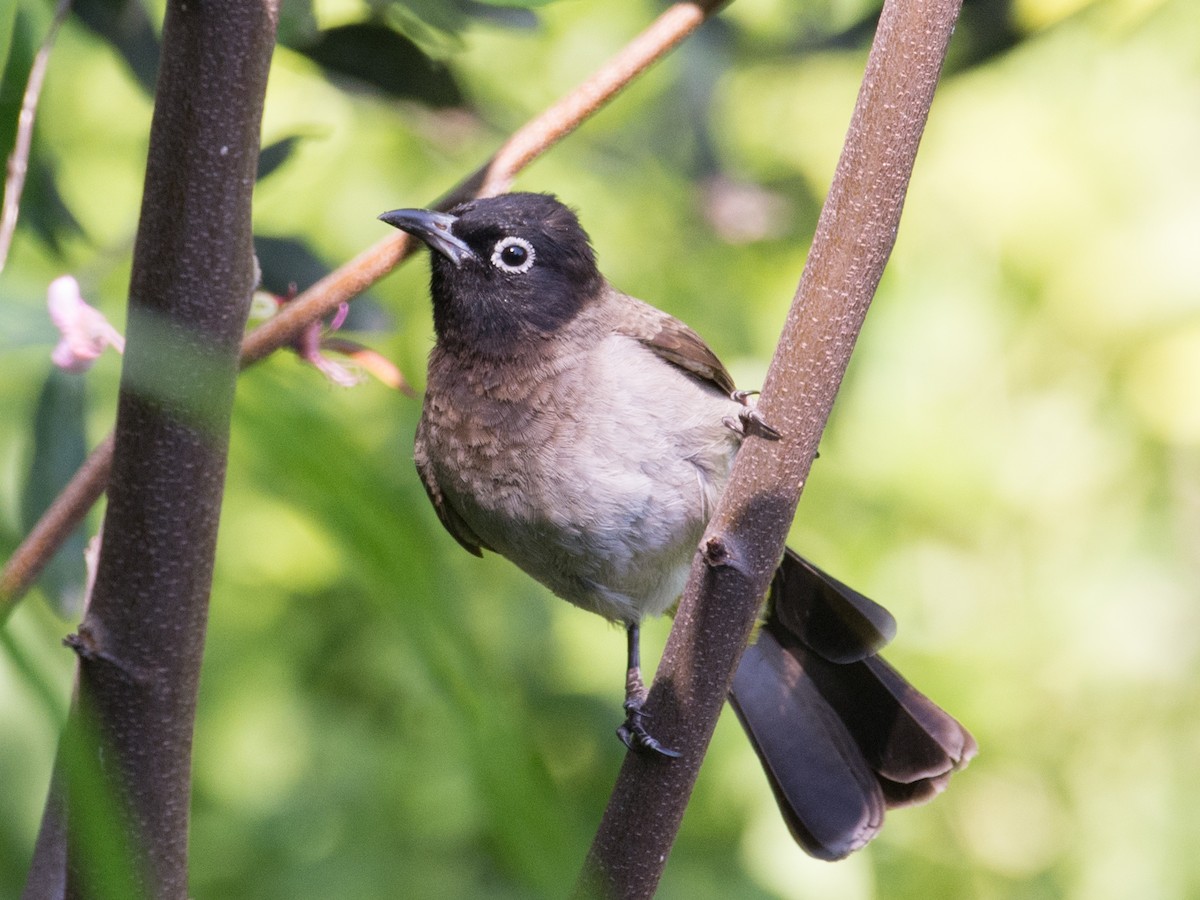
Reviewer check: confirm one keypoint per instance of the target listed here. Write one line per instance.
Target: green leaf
(381, 58)
(272, 156)
(515, 4)
(43, 209)
(125, 25)
(58, 449)
(17, 57)
(436, 29)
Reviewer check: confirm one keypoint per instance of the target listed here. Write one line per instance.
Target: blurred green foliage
(1013, 465)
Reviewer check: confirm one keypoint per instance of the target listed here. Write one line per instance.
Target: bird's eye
(513, 254)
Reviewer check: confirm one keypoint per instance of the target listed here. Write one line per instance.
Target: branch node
(88, 646)
(718, 554)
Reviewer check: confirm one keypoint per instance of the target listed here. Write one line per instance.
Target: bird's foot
(749, 422)
(633, 733)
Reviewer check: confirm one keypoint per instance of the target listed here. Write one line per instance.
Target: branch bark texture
(142, 638)
(745, 539)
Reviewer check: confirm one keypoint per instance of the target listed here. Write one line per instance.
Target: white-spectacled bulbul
(587, 436)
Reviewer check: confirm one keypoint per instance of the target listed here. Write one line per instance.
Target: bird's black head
(505, 270)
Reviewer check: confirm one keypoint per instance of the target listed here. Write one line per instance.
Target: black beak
(434, 229)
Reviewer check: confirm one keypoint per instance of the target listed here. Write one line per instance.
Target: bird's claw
(755, 425)
(749, 422)
(633, 733)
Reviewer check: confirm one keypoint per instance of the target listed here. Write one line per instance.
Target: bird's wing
(447, 514)
(675, 343)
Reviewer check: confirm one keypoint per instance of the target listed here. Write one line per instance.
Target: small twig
(18, 160)
(58, 521)
(351, 279)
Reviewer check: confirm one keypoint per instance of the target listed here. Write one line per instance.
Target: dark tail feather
(830, 798)
(841, 734)
(834, 620)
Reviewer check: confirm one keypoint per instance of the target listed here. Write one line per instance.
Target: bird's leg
(633, 733)
(749, 422)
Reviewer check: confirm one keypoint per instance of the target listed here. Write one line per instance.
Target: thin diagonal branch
(662, 36)
(745, 538)
(351, 279)
(56, 523)
(18, 160)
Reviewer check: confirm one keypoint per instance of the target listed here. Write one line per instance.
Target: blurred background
(1012, 465)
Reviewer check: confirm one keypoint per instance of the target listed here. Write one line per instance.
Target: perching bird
(587, 436)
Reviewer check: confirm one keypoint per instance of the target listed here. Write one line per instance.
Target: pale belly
(603, 501)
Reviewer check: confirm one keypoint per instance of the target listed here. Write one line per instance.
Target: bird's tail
(841, 734)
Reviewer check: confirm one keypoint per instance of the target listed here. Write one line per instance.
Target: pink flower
(311, 344)
(317, 341)
(85, 332)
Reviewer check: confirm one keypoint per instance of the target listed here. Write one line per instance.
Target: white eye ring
(520, 255)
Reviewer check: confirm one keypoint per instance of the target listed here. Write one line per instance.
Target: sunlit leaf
(1011, 465)
(297, 23)
(433, 26)
(515, 4)
(43, 209)
(127, 27)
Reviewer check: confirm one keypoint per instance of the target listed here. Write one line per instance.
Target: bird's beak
(434, 229)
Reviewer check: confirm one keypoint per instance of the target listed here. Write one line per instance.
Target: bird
(587, 436)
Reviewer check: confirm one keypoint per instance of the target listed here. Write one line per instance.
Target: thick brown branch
(140, 644)
(523, 147)
(854, 238)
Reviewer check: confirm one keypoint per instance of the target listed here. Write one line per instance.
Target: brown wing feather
(674, 342)
(446, 513)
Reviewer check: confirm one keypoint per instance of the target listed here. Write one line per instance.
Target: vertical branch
(142, 638)
(745, 539)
